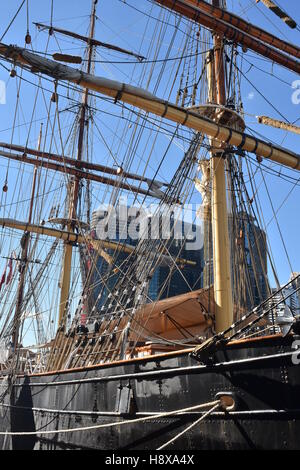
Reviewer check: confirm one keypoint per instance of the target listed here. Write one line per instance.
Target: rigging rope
(215, 404)
(191, 426)
(13, 19)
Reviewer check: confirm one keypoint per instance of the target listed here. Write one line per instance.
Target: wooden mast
(24, 255)
(221, 248)
(68, 248)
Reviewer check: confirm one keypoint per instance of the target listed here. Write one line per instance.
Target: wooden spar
(90, 41)
(81, 174)
(148, 102)
(74, 238)
(231, 32)
(278, 124)
(221, 247)
(240, 23)
(82, 164)
(280, 13)
(71, 59)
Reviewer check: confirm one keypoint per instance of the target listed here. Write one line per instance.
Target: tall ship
(147, 158)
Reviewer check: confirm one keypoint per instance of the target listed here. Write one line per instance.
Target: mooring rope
(211, 410)
(215, 404)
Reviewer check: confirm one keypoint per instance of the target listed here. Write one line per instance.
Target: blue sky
(124, 26)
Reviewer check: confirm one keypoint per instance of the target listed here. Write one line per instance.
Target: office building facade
(167, 280)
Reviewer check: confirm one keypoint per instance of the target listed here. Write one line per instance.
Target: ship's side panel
(262, 378)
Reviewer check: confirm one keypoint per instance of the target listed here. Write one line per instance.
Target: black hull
(261, 374)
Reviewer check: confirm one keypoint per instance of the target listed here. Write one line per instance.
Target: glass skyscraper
(166, 281)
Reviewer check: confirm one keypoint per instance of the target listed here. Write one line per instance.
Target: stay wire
(13, 19)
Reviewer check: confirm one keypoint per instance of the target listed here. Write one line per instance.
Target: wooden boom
(90, 41)
(240, 23)
(278, 124)
(231, 32)
(74, 238)
(83, 164)
(280, 13)
(150, 103)
(79, 173)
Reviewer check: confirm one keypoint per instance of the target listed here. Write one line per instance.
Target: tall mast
(24, 255)
(68, 248)
(221, 249)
